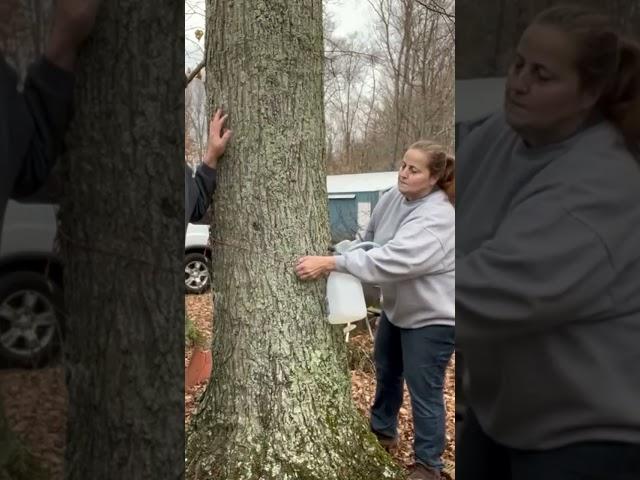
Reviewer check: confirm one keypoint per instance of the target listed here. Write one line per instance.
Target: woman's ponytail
(447, 181)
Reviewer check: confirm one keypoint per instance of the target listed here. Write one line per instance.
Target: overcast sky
(349, 16)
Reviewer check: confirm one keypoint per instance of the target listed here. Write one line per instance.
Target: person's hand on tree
(218, 138)
(311, 268)
(73, 21)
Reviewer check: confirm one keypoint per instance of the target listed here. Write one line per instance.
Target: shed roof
(361, 182)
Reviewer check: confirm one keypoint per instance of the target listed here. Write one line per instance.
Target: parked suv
(31, 300)
(197, 260)
(31, 296)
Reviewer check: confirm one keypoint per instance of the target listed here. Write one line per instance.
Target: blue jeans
(479, 457)
(420, 357)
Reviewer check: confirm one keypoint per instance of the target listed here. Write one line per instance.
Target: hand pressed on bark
(313, 267)
(219, 137)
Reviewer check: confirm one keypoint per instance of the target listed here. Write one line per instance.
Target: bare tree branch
(370, 56)
(437, 9)
(188, 78)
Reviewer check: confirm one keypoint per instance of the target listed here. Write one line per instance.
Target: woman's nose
(519, 81)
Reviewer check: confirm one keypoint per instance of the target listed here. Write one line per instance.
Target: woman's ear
(589, 97)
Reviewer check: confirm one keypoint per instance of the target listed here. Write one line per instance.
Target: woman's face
(544, 100)
(414, 179)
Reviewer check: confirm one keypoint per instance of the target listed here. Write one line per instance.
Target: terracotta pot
(199, 369)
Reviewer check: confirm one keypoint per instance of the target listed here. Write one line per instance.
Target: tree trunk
(278, 405)
(122, 233)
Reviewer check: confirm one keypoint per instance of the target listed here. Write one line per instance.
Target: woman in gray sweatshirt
(548, 261)
(415, 225)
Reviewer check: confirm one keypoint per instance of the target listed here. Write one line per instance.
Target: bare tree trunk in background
(412, 52)
(196, 120)
(278, 406)
(417, 102)
(406, 90)
(397, 63)
(123, 237)
(346, 76)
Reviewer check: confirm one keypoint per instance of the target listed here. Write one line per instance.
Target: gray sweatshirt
(548, 286)
(415, 266)
(197, 192)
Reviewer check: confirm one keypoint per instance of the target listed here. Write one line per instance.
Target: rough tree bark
(122, 233)
(278, 406)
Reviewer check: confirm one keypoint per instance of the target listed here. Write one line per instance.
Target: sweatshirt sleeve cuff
(53, 78)
(341, 264)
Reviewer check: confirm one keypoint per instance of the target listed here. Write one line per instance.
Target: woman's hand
(311, 268)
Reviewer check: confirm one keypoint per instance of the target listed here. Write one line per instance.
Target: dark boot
(419, 471)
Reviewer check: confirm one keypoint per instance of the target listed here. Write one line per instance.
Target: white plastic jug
(345, 299)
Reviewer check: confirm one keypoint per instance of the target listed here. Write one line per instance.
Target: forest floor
(36, 400)
(199, 309)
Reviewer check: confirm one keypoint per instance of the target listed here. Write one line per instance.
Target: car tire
(197, 276)
(31, 319)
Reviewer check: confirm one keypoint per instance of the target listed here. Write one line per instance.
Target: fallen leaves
(35, 404)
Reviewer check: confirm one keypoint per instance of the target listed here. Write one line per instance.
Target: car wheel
(196, 273)
(31, 319)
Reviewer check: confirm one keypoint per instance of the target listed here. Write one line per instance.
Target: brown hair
(440, 164)
(607, 60)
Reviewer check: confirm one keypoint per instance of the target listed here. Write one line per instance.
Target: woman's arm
(413, 252)
(544, 267)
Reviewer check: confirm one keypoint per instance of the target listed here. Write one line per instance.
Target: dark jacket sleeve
(198, 191)
(39, 117)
